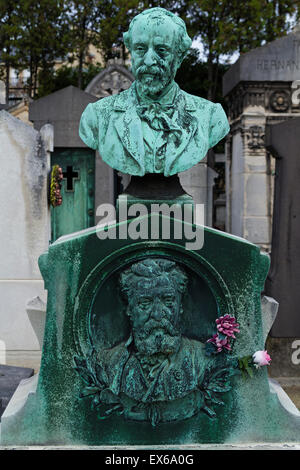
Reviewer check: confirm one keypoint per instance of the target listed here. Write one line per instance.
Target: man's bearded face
(153, 54)
(154, 312)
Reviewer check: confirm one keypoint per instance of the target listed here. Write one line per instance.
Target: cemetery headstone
(153, 339)
(25, 233)
(10, 377)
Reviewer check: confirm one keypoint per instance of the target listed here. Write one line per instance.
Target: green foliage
(9, 28)
(97, 22)
(192, 77)
(245, 366)
(228, 26)
(42, 39)
(9, 32)
(114, 20)
(52, 80)
(34, 34)
(82, 18)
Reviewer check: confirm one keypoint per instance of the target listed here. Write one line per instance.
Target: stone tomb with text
(260, 89)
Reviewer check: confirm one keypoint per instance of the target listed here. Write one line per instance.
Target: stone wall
(24, 228)
(249, 183)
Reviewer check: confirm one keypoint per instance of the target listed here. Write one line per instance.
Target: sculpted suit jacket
(174, 383)
(112, 125)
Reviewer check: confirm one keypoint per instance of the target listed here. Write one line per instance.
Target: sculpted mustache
(155, 70)
(163, 324)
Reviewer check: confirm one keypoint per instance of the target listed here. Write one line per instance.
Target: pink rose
(227, 325)
(261, 358)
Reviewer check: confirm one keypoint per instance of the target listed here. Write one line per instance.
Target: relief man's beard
(157, 338)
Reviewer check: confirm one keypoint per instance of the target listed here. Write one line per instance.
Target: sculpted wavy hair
(150, 270)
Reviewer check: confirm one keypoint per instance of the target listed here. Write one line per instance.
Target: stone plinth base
(250, 446)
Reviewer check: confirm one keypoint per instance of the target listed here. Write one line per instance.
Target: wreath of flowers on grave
(55, 186)
(222, 342)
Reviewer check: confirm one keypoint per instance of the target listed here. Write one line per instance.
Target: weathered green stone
(85, 309)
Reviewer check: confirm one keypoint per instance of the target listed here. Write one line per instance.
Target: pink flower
(261, 358)
(227, 325)
(220, 343)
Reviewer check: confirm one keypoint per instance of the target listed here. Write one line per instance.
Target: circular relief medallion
(145, 357)
(279, 101)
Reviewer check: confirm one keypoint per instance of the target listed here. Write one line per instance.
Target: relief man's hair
(151, 269)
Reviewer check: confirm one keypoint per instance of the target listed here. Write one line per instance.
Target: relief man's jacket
(176, 377)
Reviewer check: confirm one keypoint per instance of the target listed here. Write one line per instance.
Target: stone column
(197, 183)
(248, 181)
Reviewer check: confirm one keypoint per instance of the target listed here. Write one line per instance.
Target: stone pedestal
(89, 372)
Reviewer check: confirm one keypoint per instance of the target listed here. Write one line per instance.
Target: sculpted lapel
(128, 126)
(185, 111)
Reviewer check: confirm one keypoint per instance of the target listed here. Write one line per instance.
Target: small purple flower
(219, 343)
(227, 325)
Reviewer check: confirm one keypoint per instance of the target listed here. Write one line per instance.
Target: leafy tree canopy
(35, 33)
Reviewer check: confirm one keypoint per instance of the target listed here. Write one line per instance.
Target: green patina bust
(154, 126)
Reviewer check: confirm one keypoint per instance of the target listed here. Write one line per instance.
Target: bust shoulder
(111, 358)
(190, 344)
(104, 103)
(199, 102)
(119, 101)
